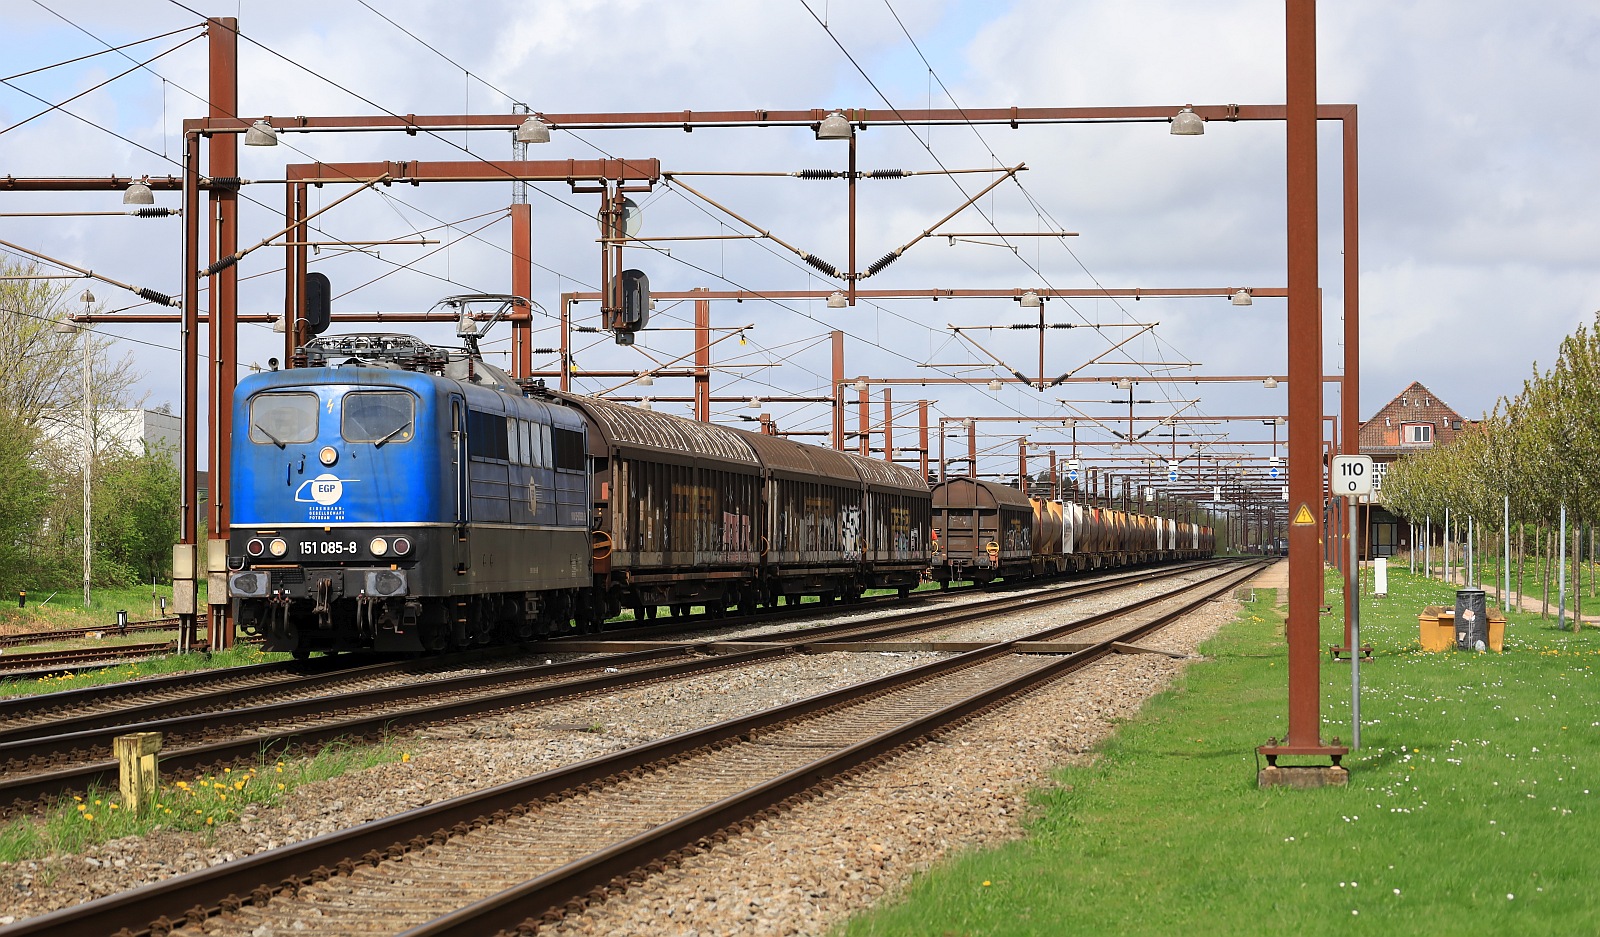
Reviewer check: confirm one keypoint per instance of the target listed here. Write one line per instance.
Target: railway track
(70, 754)
(67, 634)
(46, 661)
(518, 855)
(205, 691)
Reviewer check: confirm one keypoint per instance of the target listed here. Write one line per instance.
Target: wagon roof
(963, 492)
(881, 474)
(630, 427)
(788, 457)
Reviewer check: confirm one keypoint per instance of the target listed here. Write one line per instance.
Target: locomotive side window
(513, 450)
(568, 449)
(528, 455)
(486, 435)
(542, 446)
(380, 417)
(283, 418)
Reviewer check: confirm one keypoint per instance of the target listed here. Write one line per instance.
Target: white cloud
(1478, 203)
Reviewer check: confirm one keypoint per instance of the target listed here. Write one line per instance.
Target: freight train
(390, 495)
(983, 531)
(393, 496)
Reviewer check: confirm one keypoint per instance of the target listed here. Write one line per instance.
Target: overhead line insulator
(820, 264)
(882, 262)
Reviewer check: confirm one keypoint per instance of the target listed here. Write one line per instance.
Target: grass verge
(1472, 805)
(237, 656)
(196, 804)
(47, 610)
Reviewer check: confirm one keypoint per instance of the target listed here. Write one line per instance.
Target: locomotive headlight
(255, 547)
(278, 547)
(401, 546)
(378, 546)
(328, 455)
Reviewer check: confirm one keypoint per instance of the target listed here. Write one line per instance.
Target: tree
(42, 357)
(136, 501)
(41, 369)
(23, 507)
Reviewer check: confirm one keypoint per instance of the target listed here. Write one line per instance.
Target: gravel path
(793, 874)
(806, 870)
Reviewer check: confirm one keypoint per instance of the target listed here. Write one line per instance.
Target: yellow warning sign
(1303, 518)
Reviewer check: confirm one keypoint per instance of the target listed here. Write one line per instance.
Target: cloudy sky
(1479, 201)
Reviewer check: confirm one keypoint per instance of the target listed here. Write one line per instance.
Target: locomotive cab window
(280, 418)
(378, 417)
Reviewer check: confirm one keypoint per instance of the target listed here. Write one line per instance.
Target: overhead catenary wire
(92, 88)
(81, 58)
(1028, 196)
(203, 100)
(724, 278)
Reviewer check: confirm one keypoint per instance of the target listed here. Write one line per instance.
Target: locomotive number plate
(329, 548)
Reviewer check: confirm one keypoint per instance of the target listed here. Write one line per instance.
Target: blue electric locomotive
(390, 495)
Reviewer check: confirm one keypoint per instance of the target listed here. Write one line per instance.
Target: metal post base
(1340, 652)
(1302, 777)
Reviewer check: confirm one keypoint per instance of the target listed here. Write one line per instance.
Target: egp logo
(325, 489)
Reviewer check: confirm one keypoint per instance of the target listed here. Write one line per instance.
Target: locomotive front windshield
(378, 417)
(283, 418)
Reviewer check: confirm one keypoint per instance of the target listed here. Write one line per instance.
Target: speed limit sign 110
(1352, 475)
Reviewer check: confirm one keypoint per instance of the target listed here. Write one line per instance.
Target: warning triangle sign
(1303, 518)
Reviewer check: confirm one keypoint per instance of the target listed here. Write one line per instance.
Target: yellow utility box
(1497, 632)
(1437, 629)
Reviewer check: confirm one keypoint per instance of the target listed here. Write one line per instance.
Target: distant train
(394, 496)
(985, 531)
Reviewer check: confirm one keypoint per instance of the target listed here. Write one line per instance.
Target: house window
(1416, 434)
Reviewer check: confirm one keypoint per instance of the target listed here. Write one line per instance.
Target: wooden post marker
(136, 754)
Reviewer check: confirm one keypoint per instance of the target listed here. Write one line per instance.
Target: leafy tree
(42, 358)
(41, 367)
(136, 501)
(23, 506)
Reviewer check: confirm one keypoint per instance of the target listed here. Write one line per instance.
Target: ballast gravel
(796, 873)
(804, 871)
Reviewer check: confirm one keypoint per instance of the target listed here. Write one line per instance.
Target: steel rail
(160, 906)
(67, 634)
(23, 707)
(20, 790)
(44, 659)
(939, 618)
(25, 789)
(525, 907)
(84, 735)
(1120, 577)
